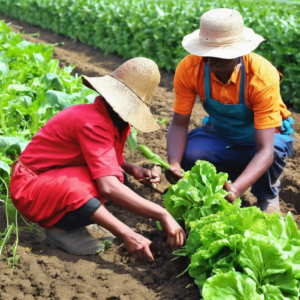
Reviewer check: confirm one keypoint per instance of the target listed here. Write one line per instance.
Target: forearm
(105, 219)
(255, 169)
(113, 190)
(176, 144)
(128, 167)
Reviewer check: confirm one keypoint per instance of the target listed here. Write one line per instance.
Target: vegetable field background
(154, 29)
(48, 273)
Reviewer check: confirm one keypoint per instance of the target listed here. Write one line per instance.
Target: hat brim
(250, 41)
(123, 101)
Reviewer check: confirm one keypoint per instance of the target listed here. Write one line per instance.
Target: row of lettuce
(154, 28)
(235, 253)
(32, 89)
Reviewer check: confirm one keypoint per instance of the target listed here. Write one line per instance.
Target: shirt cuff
(268, 126)
(117, 172)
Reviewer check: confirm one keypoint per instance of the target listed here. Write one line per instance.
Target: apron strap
(242, 83)
(206, 82)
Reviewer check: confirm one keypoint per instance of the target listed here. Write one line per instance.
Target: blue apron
(234, 122)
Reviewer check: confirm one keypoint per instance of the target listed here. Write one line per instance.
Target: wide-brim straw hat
(222, 34)
(128, 90)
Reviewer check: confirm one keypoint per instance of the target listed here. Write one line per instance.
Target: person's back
(55, 145)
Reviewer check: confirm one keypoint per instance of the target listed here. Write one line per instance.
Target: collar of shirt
(234, 75)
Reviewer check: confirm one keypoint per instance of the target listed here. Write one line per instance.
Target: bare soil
(50, 273)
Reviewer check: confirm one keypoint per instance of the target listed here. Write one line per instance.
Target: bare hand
(176, 235)
(173, 174)
(139, 246)
(233, 192)
(142, 173)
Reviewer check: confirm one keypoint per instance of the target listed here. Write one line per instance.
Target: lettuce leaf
(230, 286)
(292, 256)
(291, 227)
(199, 193)
(286, 283)
(272, 292)
(261, 257)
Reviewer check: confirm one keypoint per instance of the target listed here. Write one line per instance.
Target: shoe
(79, 241)
(269, 206)
(99, 232)
(271, 209)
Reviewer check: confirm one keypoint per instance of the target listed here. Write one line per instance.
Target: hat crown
(141, 75)
(221, 27)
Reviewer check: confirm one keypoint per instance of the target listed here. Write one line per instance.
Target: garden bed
(49, 273)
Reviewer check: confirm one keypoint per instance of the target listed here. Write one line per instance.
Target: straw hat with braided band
(222, 34)
(128, 90)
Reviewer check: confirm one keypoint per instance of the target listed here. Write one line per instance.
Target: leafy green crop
(32, 89)
(235, 253)
(155, 29)
(154, 158)
(132, 140)
(231, 285)
(198, 194)
(264, 248)
(247, 241)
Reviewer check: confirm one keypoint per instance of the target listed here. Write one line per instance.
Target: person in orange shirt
(247, 132)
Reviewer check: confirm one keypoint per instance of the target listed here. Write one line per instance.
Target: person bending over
(76, 161)
(247, 133)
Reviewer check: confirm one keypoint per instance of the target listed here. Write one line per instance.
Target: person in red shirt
(76, 161)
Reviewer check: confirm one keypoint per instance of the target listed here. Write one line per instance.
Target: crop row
(154, 28)
(32, 89)
(235, 253)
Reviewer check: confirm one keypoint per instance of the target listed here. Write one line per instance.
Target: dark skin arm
(139, 173)
(116, 192)
(135, 243)
(176, 144)
(263, 159)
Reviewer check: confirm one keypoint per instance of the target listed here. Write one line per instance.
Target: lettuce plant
(235, 253)
(198, 194)
(245, 240)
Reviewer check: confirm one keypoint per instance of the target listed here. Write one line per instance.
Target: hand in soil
(139, 246)
(233, 193)
(176, 235)
(173, 175)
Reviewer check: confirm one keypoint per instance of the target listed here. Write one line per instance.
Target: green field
(155, 29)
